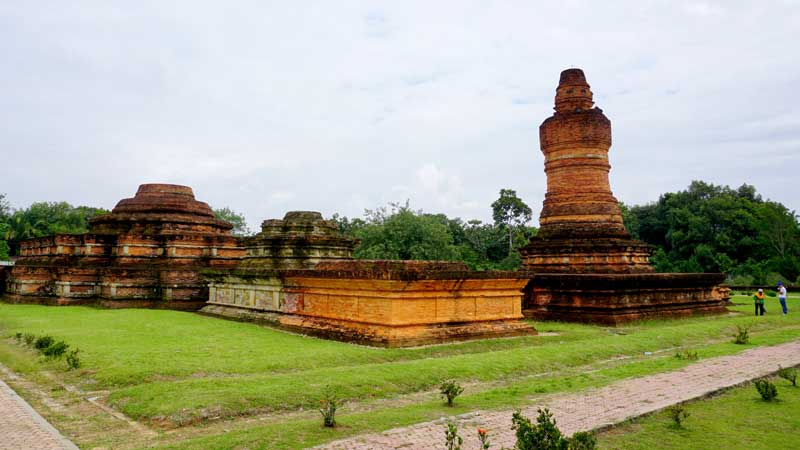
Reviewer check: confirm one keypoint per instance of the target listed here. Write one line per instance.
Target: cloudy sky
(339, 106)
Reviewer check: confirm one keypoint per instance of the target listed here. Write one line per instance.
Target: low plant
(42, 342)
(452, 440)
(55, 350)
(742, 335)
(450, 389)
(328, 405)
(766, 389)
(582, 440)
(483, 436)
(691, 356)
(678, 414)
(788, 373)
(73, 361)
(18, 337)
(545, 435)
(29, 339)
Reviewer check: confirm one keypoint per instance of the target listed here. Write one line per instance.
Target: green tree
(401, 233)
(511, 211)
(239, 222)
(709, 228)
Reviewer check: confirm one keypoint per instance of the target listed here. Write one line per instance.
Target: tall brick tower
(581, 224)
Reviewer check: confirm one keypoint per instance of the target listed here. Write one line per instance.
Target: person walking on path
(758, 298)
(782, 297)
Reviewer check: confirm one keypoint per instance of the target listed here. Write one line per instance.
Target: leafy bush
(73, 362)
(678, 414)
(767, 390)
(450, 389)
(328, 405)
(452, 440)
(545, 435)
(582, 440)
(55, 350)
(43, 342)
(18, 337)
(742, 335)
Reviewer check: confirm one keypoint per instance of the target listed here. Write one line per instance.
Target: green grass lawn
(737, 419)
(178, 368)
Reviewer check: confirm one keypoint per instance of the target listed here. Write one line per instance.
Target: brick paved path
(594, 408)
(22, 428)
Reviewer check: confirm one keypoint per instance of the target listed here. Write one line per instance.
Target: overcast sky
(338, 106)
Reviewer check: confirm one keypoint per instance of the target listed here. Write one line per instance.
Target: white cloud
(349, 105)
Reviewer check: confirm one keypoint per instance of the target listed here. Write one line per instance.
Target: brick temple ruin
(148, 252)
(584, 263)
(164, 249)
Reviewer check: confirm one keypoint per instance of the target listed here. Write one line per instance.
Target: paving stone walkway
(22, 428)
(595, 408)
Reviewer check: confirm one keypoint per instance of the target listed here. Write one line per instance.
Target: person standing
(758, 298)
(782, 297)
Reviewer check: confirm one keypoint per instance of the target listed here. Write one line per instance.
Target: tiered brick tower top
(161, 209)
(581, 224)
(575, 143)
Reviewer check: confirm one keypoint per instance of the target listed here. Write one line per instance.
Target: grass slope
(179, 367)
(735, 419)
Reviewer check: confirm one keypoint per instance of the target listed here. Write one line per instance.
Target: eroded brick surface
(594, 408)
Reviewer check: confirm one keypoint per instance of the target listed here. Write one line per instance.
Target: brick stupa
(581, 224)
(583, 263)
(147, 252)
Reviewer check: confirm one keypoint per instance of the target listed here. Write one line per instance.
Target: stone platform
(613, 299)
(382, 303)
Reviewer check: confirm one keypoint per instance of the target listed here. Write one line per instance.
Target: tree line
(705, 228)
(710, 228)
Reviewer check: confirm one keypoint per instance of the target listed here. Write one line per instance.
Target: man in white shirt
(782, 296)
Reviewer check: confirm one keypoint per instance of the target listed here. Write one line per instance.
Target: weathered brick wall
(390, 303)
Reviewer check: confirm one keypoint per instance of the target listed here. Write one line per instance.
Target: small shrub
(767, 390)
(788, 373)
(678, 414)
(29, 339)
(449, 389)
(771, 294)
(18, 337)
(742, 335)
(328, 405)
(483, 436)
(691, 356)
(73, 361)
(43, 342)
(452, 440)
(545, 435)
(582, 440)
(55, 350)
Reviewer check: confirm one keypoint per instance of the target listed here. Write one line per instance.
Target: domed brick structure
(148, 251)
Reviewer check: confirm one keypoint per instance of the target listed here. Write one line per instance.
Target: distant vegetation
(709, 228)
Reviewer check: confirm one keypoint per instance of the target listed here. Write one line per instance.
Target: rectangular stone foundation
(614, 299)
(391, 308)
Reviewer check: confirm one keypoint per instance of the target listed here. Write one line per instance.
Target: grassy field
(736, 419)
(172, 369)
